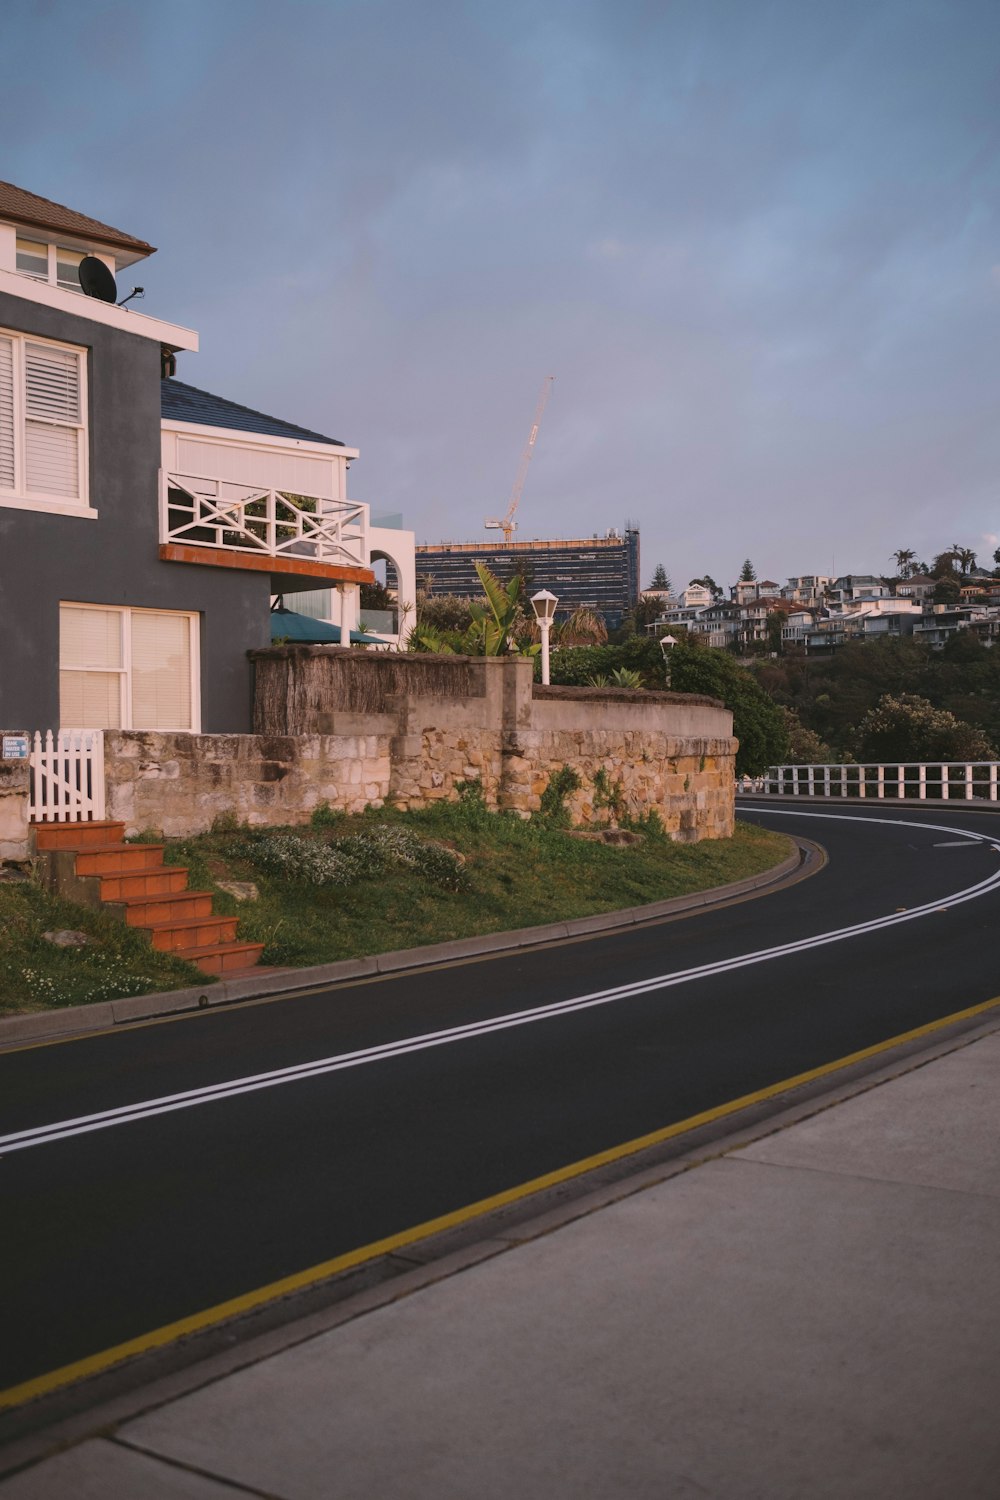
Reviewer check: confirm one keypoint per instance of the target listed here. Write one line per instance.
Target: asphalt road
(408, 1098)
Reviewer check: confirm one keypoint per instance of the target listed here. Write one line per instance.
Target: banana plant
(495, 621)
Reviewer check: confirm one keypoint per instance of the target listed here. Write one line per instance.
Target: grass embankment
(354, 886)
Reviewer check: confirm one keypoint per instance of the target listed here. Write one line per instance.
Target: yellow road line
(157, 1338)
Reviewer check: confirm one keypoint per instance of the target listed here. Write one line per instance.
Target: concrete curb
(79, 1020)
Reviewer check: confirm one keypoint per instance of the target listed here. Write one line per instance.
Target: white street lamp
(667, 644)
(544, 605)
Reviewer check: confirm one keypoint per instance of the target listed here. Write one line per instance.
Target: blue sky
(756, 241)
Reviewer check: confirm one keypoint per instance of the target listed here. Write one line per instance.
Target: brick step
(192, 932)
(119, 859)
(171, 906)
(143, 883)
(77, 835)
(232, 959)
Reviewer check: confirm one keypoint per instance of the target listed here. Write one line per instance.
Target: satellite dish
(96, 280)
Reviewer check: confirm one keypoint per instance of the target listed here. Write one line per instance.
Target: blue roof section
(185, 403)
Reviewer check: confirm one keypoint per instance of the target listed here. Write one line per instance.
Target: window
(33, 259)
(127, 668)
(43, 429)
(49, 263)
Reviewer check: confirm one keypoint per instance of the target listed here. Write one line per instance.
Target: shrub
(342, 862)
(908, 728)
(325, 816)
(757, 720)
(561, 784)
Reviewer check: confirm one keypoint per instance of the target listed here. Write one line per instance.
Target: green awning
(289, 625)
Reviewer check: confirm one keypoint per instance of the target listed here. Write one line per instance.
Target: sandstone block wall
(670, 752)
(14, 776)
(180, 783)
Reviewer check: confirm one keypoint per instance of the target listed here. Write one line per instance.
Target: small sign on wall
(15, 747)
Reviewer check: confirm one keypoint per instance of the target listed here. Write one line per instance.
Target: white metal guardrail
(67, 776)
(956, 781)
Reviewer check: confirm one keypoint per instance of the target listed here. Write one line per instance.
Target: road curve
(162, 1170)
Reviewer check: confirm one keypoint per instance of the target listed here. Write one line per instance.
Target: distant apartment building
(599, 572)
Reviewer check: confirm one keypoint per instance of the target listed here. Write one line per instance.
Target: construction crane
(508, 525)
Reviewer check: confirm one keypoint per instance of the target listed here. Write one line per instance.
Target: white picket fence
(67, 776)
(956, 781)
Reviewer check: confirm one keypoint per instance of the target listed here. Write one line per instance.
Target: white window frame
(20, 497)
(51, 278)
(125, 613)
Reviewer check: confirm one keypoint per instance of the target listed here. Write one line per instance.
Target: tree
(584, 627)
(966, 559)
(494, 626)
(708, 582)
(805, 748)
(757, 721)
(748, 573)
(904, 559)
(908, 728)
(660, 578)
(943, 565)
(947, 590)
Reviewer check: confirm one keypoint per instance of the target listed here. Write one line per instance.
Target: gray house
(144, 524)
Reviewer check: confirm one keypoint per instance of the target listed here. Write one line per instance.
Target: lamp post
(544, 605)
(667, 644)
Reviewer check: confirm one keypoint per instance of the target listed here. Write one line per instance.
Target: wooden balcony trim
(259, 562)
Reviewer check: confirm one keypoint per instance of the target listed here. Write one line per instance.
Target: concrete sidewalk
(816, 1313)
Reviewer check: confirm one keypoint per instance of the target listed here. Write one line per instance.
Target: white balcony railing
(964, 781)
(197, 511)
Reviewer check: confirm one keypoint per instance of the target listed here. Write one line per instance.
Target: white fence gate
(67, 776)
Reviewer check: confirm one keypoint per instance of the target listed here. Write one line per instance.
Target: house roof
(185, 403)
(41, 213)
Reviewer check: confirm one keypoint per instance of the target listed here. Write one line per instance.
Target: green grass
(116, 961)
(515, 874)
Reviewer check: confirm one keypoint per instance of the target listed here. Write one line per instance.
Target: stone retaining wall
(180, 783)
(14, 806)
(669, 752)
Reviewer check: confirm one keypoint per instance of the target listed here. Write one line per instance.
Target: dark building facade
(113, 618)
(601, 572)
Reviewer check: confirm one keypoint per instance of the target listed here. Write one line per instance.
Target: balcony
(301, 541)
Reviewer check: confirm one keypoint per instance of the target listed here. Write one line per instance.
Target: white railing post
(922, 783)
(993, 781)
(880, 781)
(970, 790)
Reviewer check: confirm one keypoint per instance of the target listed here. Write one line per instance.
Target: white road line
(61, 1130)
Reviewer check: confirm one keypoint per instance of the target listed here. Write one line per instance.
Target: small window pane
(68, 268)
(161, 671)
(90, 700)
(90, 638)
(33, 259)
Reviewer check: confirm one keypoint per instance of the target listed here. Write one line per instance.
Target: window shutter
(161, 671)
(52, 420)
(90, 639)
(6, 414)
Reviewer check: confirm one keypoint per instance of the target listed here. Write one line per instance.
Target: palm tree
(965, 557)
(584, 627)
(904, 560)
